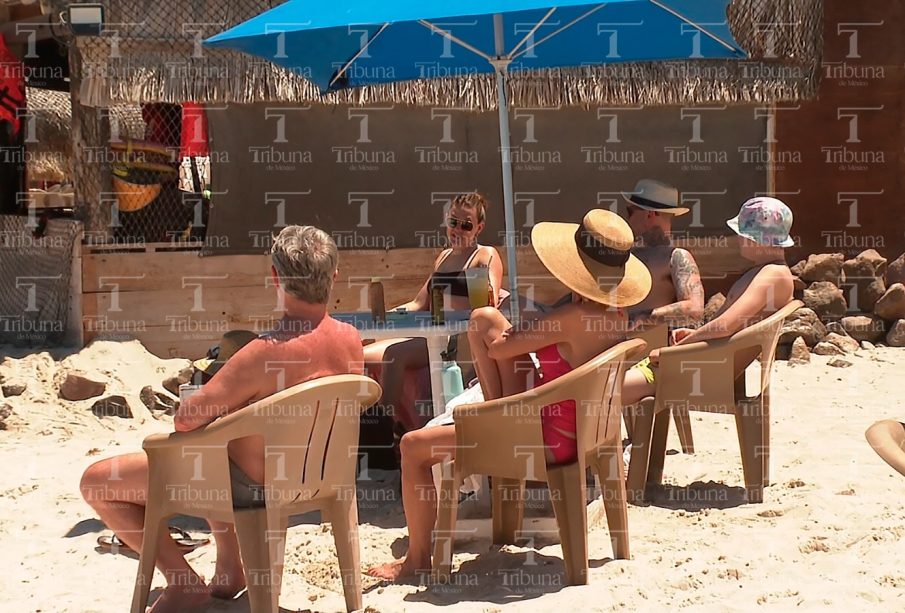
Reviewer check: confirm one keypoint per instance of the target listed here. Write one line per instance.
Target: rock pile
(849, 305)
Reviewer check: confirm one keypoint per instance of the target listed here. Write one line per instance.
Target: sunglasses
(466, 225)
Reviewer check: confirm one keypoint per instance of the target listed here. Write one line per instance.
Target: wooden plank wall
(179, 304)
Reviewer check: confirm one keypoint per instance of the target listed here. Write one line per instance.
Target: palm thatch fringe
(48, 140)
(783, 37)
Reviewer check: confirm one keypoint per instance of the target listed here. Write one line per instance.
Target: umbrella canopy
(359, 42)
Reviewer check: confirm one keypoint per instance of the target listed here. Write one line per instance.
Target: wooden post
(91, 168)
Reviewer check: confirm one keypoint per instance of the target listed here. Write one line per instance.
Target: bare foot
(181, 598)
(228, 579)
(398, 569)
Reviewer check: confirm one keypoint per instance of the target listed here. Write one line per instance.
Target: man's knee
(94, 481)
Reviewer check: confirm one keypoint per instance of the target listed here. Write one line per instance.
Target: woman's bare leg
(397, 357)
(116, 488)
(421, 449)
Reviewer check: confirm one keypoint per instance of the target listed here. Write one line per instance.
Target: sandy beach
(828, 534)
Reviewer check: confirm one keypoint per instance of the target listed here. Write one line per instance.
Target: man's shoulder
(681, 257)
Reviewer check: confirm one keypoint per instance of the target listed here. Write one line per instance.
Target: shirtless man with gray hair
(306, 344)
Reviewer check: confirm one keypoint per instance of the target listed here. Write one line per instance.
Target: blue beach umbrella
(352, 43)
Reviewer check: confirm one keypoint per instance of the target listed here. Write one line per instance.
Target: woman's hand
(679, 334)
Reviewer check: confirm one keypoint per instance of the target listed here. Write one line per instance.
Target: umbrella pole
(508, 204)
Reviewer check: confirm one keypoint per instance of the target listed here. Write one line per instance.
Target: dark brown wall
(571, 160)
(863, 77)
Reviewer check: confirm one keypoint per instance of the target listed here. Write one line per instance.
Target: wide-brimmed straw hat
(593, 258)
(229, 345)
(655, 196)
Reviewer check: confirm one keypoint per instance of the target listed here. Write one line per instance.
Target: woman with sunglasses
(464, 221)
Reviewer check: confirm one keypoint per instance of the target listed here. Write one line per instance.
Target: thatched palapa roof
(49, 143)
(158, 58)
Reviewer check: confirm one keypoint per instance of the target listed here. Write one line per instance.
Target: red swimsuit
(560, 415)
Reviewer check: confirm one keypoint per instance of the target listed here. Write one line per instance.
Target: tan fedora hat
(593, 258)
(229, 345)
(655, 196)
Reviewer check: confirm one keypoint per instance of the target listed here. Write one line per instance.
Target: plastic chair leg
(344, 518)
(154, 527)
(508, 509)
(749, 422)
(658, 447)
(640, 458)
(683, 427)
(445, 530)
(251, 530)
(610, 470)
(568, 493)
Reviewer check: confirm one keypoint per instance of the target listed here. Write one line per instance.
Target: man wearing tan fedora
(677, 295)
(305, 344)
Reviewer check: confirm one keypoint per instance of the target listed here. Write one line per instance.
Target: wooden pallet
(178, 304)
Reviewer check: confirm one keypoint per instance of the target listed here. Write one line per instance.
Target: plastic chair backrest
(310, 434)
(709, 376)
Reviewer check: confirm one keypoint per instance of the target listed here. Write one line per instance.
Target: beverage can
(376, 301)
(437, 304)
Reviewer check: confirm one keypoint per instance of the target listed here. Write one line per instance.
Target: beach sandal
(183, 540)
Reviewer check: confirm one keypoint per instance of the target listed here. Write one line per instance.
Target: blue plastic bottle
(452, 379)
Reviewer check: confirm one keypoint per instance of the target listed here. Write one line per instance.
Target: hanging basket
(137, 185)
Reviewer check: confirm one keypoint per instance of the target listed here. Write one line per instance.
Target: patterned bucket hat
(764, 220)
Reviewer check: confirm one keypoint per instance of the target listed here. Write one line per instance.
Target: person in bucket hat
(593, 259)
(763, 225)
(677, 295)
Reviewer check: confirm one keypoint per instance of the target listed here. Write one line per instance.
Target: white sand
(829, 533)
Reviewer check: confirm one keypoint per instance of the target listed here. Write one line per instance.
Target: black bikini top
(455, 281)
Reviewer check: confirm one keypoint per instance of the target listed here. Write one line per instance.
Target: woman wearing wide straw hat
(593, 260)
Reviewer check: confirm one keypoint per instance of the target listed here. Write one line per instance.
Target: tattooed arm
(689, 306)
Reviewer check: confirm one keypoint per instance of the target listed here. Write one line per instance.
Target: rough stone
(870, 293)
(798, 268)
(846, 343)
(157, 401)
(868, 263)
(896, 336)
(826, 348)
(171, 384)
(835, 326)
(80, 386)
(798, 286)
(713, 306)
(867, 345)
(839, 363)
(823, 267)
(802, 323)
(826, 300)
(891, 306)
(13, 387)
(895, 272)
(865, 327)
(5, 412)
(112, 406)
(800, 353)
